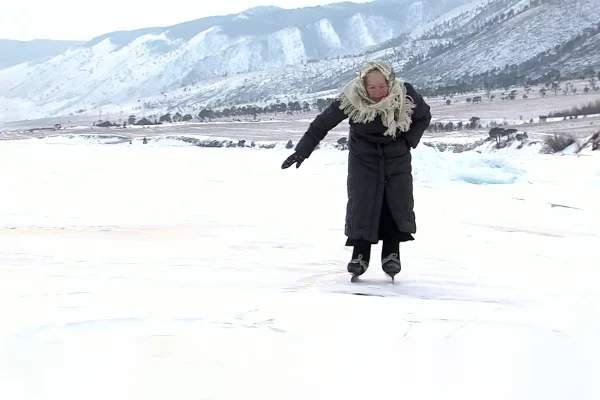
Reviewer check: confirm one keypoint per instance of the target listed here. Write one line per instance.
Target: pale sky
(83, 20)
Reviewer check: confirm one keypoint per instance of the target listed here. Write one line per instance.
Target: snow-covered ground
(151, 272)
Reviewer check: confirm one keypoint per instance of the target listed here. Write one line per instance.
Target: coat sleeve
(319, 128)
(421, 117)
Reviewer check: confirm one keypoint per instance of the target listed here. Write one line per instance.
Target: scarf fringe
(404, 123)
(364, 112)
(354, 113)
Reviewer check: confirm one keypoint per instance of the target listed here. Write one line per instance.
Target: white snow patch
(328, 34)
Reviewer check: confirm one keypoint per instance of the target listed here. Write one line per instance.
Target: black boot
(360, 260)
(390, 258)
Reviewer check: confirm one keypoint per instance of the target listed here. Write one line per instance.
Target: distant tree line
(292, 107)
(590, 108)
(473, 123)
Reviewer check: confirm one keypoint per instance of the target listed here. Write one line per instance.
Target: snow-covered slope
(267, 53)
(508, 32)
(124, 66)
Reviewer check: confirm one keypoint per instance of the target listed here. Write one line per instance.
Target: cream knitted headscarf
(395, 109)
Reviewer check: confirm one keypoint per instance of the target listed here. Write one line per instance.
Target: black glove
(294, 158)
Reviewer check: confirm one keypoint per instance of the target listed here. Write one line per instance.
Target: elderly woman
(387, 118)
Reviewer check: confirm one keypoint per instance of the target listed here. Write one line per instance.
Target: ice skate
(357, 266)
(391, 265)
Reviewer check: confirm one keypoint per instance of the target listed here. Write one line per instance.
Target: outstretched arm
(421, 118)
(319, 128)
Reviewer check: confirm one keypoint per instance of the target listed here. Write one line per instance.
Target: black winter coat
(375, 163)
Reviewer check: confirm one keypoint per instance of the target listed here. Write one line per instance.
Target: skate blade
(393, 278)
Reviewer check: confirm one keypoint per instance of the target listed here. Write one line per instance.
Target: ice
(430, 165)
(163, 272)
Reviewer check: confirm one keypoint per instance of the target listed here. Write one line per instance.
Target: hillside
(442, 47)
(126, 66)
(533, 36)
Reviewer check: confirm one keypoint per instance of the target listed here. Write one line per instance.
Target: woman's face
(377, 86)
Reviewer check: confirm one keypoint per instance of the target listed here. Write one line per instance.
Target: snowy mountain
(123, 66)
(533, 36)
(267, 54)
(14, 52)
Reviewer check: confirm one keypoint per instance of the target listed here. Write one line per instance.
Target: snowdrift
(429, 164)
